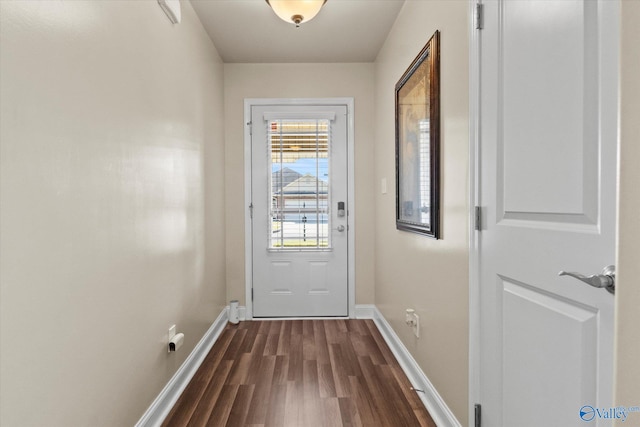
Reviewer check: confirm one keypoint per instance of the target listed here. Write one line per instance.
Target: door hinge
(479, 16)
(478, 415)
(251, 294)
(250, 124)
(477, 215)
(251, 210)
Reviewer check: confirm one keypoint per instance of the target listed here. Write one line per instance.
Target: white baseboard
(242, 312)
(161, 406)
(438, 409)
(364, 311)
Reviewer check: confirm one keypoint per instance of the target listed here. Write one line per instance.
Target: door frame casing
(474, 200)
(248, 224)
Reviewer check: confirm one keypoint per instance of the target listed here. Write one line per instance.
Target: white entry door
(300, 207)
(547, 192)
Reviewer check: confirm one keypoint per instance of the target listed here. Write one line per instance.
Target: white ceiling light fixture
(296, 11)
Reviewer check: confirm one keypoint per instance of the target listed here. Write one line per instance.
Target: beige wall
(110, 116)
(412, 271)
(299, 81)
(627, 377)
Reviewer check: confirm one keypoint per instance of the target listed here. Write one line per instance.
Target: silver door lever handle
(605, 280)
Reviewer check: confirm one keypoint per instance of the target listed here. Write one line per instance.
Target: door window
(299, 184)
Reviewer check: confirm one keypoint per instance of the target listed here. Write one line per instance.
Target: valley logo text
(589, 413)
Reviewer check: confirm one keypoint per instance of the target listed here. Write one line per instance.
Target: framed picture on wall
(418, 143)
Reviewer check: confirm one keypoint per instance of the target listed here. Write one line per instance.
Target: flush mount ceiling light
(296, 11)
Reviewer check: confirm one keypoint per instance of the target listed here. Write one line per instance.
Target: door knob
(340, 228)
(605, 280)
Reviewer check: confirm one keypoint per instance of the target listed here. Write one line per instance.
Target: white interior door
(300, 208)
(547, 190)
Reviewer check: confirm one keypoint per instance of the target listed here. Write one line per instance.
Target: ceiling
(344, 31)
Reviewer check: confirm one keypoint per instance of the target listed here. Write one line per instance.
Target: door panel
(547, 179)
(548, 111)
(299, 239)
(549, 346)
(317, 275)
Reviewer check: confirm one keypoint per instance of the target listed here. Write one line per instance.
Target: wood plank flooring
(300, 373)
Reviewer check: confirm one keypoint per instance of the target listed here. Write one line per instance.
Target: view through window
(425, 173)
(299, 155)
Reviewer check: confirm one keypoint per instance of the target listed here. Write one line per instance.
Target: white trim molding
(161, 406)
(474, 200)
(364, 311)
(438, 409)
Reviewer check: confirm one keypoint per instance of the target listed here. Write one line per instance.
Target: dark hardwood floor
(300, 373)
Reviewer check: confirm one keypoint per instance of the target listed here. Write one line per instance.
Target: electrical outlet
(413, 321)
(408, 317)
(416, 325)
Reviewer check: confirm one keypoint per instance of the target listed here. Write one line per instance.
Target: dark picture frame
(417, 99)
